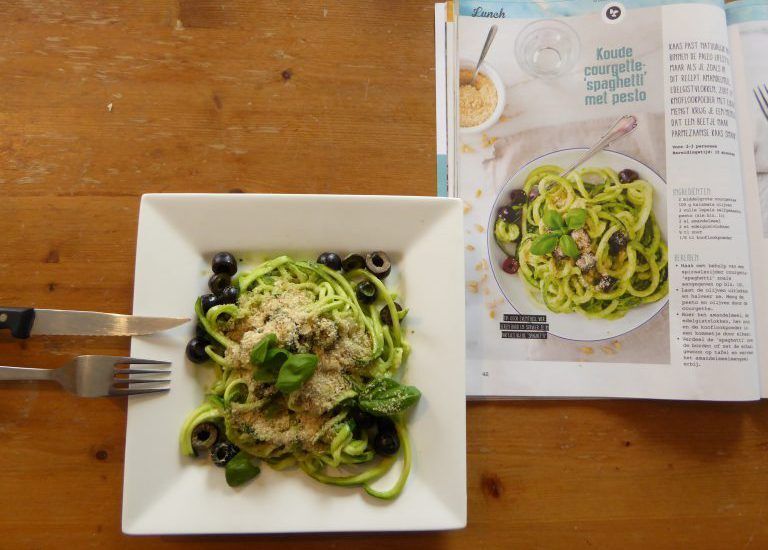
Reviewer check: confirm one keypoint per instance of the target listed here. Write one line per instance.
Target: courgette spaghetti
(589, 242)
(306, 360)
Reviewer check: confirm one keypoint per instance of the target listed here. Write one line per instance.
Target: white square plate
(165, 493)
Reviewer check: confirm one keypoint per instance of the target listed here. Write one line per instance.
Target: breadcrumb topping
(341, 344)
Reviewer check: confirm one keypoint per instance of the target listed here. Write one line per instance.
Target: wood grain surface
(101, 101)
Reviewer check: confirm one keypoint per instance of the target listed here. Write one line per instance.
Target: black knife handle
(18, 319)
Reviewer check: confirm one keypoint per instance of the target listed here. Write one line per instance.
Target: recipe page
(748, 34)
(629, 276)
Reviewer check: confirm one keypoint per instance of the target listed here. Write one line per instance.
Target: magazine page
(748, 28)
(628, 277)
(451, 69)
(441, 111)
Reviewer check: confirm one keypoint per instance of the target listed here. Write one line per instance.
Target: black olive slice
(378, 263)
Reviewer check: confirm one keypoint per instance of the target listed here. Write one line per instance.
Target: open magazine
(643, 272)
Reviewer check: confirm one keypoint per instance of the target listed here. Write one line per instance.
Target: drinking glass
(547, 48)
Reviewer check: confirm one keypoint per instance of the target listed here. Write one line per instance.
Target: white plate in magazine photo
(166, 493)
(575, 326)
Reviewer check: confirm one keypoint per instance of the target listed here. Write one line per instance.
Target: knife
(25, 321)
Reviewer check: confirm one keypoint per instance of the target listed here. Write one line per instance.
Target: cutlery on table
(97, 375)
(761, 95)
(24, 322)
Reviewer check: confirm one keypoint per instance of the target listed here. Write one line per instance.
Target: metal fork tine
(140, 381)
(104, 375)
(129, 391)
(134, 361)
(141, 371)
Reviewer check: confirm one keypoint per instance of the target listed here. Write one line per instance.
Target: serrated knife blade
(24, 322)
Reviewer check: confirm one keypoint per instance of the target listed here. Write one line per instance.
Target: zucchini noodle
(310, 309)
(622, 257)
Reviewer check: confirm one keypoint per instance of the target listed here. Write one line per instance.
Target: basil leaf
(356, 386)
(575, 218)
(568, 246)
(544, 244)
(265, 374)
(275, 358)
(386, 397)
(259, 352)
(295, 371)
(240, 469)
(553, 219)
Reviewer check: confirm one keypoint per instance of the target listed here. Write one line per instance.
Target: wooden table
(103, 101)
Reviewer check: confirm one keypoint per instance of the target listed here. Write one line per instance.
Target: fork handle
(620, 128)
(24, 373)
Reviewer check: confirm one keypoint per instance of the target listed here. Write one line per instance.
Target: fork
(761, 95)
(96, 375)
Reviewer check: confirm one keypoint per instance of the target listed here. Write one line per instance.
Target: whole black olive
(352, 262)
(208, 301)
(201, 333)
(204, 436)
(385, 425)
(366, 292)
(196, 350)
(331, 260)
(509, 214)
(378, 263)
(386, 316)
(224, 262)
(510, 265)
(229, 295)
(628, 176)
(223, 452)
(218, 282)
(362, 419)
(617, 242)
(386, 443)
(517, 197)
(533, 193)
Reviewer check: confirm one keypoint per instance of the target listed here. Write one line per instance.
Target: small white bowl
(501, 95)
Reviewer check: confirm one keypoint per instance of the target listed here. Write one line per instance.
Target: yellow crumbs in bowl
(476, 101)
